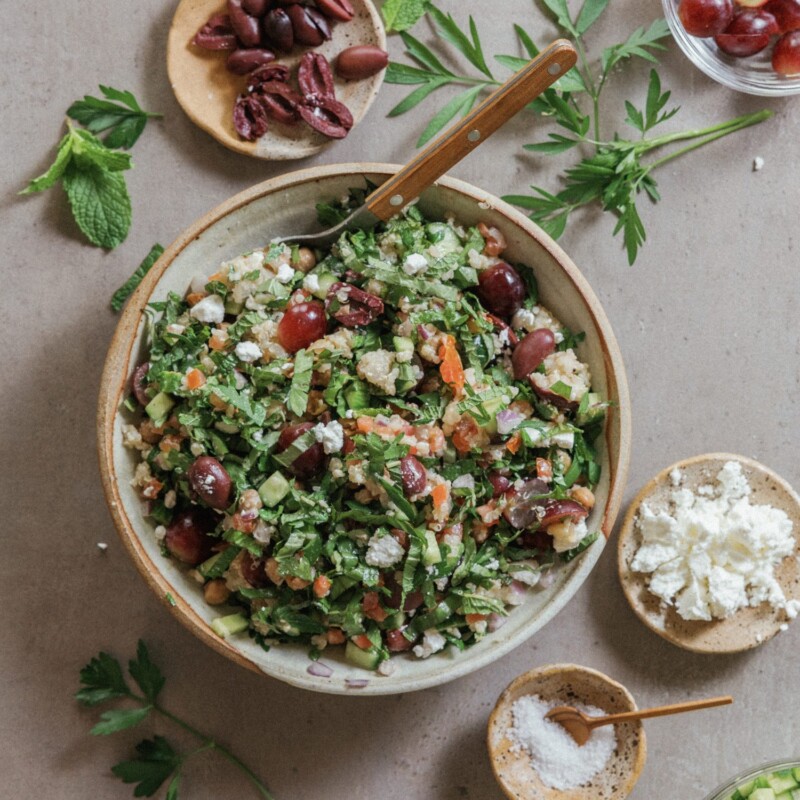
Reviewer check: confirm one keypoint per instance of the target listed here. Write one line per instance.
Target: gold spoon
(579, 725)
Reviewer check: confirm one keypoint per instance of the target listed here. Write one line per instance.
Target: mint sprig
(127, 289)
(613, 172)
(156, 761)
(400, 15)
(91, 170)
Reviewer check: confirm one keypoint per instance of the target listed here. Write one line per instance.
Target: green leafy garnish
(91, 171)
(613, 174)
(400, 15)
(301, 383)
(127, 289)
(156, 761)
(119, 113)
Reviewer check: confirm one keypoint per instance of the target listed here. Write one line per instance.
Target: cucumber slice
(796, 773)
(781, 781)
(274, 489)
(232, 306)
(159, 407)
(326, 280)
(432, 554)
(366, 659)
(591, 410)
(763, 794)
(406, 378)
(746, 789)
(230, 625)
(357, 396)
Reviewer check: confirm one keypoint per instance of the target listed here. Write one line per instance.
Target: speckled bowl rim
(627, 532)
(115, 378)
(537, 674)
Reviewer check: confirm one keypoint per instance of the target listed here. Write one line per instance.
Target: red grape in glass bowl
(748, 45)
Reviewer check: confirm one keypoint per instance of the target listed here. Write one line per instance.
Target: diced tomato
(544, 469)
(195, 379)
(371, 605)
(451, 370)
(322, 586)
(439, 495)
(335, 636)
(365, 424)
(362, 641)
(514, 443)
(472, 619)
(396, 642)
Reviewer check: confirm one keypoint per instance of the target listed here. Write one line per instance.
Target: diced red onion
(518, 590)
(355, 683)
(319, 670)
(508, 420)
(423, 332)
(464, 482)
(495, 622)
(547, 578)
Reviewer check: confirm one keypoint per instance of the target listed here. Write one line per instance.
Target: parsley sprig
(614, 174)
(90, 170)
(156, 761)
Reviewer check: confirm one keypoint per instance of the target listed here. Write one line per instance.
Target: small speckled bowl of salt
(536, 759)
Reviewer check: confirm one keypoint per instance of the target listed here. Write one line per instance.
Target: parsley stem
(210, 744)
(588, 79)
(705, 136)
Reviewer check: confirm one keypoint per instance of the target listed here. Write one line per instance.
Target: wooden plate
(567, 684)
(748, 627)
(206, 90)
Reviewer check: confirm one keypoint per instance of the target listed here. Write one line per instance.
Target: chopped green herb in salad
(381, 447)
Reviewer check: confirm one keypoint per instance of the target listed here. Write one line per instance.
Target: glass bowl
(753, 75)
(726, 790)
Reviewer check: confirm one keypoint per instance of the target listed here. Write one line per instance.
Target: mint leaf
(102, 680)
(119, 113)
(56, 170)
(119, 719)
(590, 13)
(156, 762)
(127, 289)
(172, 789)
(146, 674)
(301, 383)
(100, 203)
(400, 15)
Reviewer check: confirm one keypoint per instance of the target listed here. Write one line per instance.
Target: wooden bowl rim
(555, 669)
(114, 380)
(627, 532)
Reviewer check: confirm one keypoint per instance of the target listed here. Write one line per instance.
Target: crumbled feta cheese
(311, 283)
(331, 436)
(758, 164)
(566, 368)
(248, 352)
(210, 310)
(523, 320)
(285, 273)
(387, 668)
(102, 547)
(675, 477)
(160, 532)
(384, 551)
(432, 642)
(175, 329)
(415, 263)
(715, 552)
(196, 449)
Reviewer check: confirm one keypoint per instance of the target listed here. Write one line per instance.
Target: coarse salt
(558, 759)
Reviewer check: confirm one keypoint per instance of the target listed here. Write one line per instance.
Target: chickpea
(584, 496)
(250, 500)
(305, 260)
(216, 592)
(271, 568)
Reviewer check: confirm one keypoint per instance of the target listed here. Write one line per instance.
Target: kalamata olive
(327, 115)
(256, 8)
(302, 324)
(279, 30)
(361, 61)
(186, 536)
(307, 464)
(352, 306)
(340, 10)
(280, 101)
(559, 510)
(245, 26)
(250, 117)
(501, 289)
(500, 484)
(314, 75)
(139, 383)
(210, 481)
(241, 62)
(413, 474)
(216, 34)
(310, 27)
(536, 540)
(413, 601)
(531, 351)
(396, 642)
(253, 571)
(272, 73)
(526, 504)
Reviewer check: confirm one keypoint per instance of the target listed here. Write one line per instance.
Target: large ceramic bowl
(286, 205)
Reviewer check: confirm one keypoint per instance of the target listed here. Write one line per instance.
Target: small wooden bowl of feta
(534, 758)
(708, 554)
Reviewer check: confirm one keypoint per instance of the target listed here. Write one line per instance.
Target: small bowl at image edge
(752, 75)
(724, 791)
(284, 205)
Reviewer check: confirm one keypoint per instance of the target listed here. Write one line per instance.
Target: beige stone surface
(707, 321)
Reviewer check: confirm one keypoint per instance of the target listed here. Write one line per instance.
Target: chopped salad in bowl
(380, 448)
